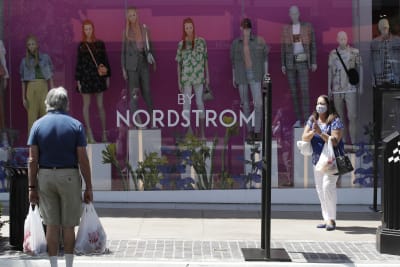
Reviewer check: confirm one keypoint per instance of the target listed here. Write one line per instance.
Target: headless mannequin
(344, 94)
(197, 86)
(298, 41)
(88, 30)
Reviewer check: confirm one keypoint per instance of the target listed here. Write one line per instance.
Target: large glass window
(147, 146)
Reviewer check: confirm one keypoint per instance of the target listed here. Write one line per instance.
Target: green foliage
(198, 153)
(148, 170)
(110, 156)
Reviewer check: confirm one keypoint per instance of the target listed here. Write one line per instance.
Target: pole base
(388, 241)
(259, 254)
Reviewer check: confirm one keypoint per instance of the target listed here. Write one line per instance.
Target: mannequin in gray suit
(136, 45)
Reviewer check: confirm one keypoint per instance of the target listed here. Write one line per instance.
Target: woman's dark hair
(332, 114)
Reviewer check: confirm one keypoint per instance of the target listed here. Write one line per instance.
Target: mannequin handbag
(208, 94)
(352, 74)
(343, 162)
(101, 69)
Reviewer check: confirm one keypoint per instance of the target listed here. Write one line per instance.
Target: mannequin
(3, 86)
(36, 70)
(88, 80)
(136, 45)
(192, 69)
(345, 94)
(385, 57)
(249, 56)
(298, 55)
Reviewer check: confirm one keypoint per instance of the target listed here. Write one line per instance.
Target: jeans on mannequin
(255, 88)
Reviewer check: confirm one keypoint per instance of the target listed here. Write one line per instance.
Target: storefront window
(143, 137)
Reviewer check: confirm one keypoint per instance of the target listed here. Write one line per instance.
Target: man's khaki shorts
(60, 196)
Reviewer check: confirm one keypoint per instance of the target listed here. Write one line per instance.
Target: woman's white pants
(326, 189)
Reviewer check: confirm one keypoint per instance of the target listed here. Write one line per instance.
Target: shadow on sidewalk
(357, 230)
(313, 257)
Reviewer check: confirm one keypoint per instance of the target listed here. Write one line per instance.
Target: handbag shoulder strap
(341, 60)
(91, 54)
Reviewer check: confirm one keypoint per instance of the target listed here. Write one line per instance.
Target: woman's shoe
(321, 225)
(331, 226)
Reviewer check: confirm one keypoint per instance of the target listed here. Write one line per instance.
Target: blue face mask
(321, 109)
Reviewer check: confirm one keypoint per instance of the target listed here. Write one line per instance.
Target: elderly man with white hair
(57, 159)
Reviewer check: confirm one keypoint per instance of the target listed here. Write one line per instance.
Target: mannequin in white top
(345, 95)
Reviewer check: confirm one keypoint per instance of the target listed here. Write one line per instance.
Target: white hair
(57, 99)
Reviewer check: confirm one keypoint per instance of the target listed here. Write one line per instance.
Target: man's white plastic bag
(91, 237)
(34, 237)
(327, 160)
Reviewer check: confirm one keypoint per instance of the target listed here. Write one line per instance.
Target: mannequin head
(32, 45)
(383, 26)
(188, 31)
(245, 27)
(342, 39)
(32, 50)
(294, 14)
(132, 16)
(132, 24)
(88, 31)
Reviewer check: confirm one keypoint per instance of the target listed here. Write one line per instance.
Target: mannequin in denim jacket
(36, 70)
(385, 56)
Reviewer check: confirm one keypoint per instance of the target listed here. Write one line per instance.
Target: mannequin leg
(86, 104)
(146, 93)
(244, 103)
(198, 90)
(187, 91)
(100, 106)
(351, 106)
(255, 88)
(339, 105)
(304, 87)
(291, 76)
(33, 111)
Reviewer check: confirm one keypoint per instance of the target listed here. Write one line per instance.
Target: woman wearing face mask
(324, 123)
(36, 72)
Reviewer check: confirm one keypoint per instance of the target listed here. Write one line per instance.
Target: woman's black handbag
(343, 162)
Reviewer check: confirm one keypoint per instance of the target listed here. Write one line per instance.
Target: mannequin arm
(179, 77)
(329, 81)
(24, 100)
(233, 78)
(266, 67)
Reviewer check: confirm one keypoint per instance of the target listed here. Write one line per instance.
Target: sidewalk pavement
(194, 235)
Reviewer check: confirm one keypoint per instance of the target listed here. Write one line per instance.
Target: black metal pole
(377, 106)
(266, 253)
